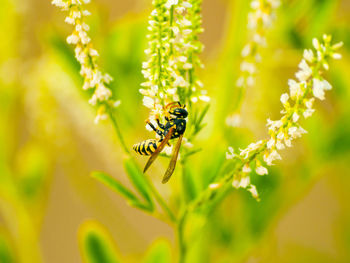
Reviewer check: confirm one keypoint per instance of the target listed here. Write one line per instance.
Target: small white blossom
(259, 39)
(148, 102)
(246, 168)
(253, 191)
(308, 112)
(337, 56)
(284, 98)
(246, 50)
(309, 55)
(86, 13)
(279, 145)
(271, 143)
(70, 20)
(270, 157)
(250, 81)
(214, 186)
(170, 3)
(100, 117)
(295, 117)
(73, 39)
(274, 125)
(287, 142)
(305, 71)
(251, 148)
(230, 154)
(242, 183)
(280, 135)
(261, 170)
(316, 44)
(309, 103)
(204, 98)
(249, 67)
(255, 4)
(337, 46)
(186, 4)
(240, 81)
(76, 14)
(295, 88)
(233, 120)
(319, 86)
(93, 52)
(117, 103)
(296, 132)
(194, 99)
(60, 3)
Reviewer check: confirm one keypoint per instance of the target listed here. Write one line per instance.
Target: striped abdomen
(146, 147)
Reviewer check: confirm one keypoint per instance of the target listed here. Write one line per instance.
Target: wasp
(174, 127)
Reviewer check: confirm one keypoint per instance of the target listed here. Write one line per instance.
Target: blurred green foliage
(96, 245)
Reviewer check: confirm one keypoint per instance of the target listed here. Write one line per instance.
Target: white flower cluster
(86, 54)
(259, 21)
(190, 47)
(172, 40)
(302, 93)
(298, 102)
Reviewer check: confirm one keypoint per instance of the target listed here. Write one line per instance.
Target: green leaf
(115, 185)
(137, 178)
(160, 251)
(6, 255)
(96, 245)
(204, 112)
(188, 186)
(119, 188)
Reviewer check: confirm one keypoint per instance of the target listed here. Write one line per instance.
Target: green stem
(117, 130)
(181, 237)
(161, 201)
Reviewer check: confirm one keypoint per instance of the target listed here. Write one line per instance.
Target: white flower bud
(261, 170)
(295, 117)
(284, 98)
(253, 191)
(246, 168)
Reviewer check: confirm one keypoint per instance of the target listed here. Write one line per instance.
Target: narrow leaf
(204, 112)
(96, 244)
(6, 255)
(188, 186)
(138, 180)
(115, 185)
(118, 187)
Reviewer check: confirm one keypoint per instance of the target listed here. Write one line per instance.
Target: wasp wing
(173, 160)
(159, 149)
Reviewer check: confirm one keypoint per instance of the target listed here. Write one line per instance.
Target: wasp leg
(159, 132)
(162, 126)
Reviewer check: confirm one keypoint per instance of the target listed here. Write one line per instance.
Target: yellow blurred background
(49, 143)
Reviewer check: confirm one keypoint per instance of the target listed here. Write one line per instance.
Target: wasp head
(178, 111)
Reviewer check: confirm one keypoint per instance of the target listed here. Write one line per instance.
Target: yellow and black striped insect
(174, 127)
